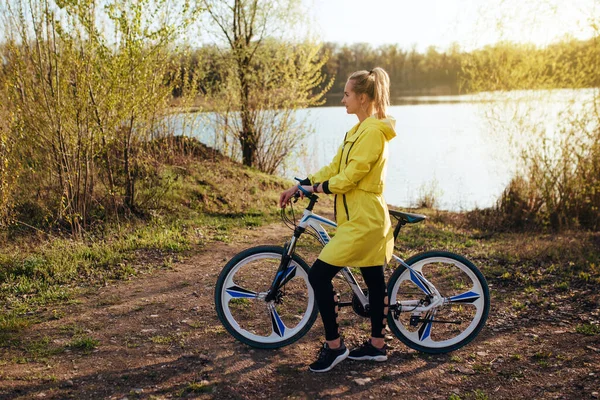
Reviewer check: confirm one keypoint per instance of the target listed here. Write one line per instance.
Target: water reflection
(446, 145)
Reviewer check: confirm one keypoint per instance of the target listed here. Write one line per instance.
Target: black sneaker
(369, 352)
(329, 358)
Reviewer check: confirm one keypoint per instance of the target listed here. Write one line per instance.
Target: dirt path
(158, 337)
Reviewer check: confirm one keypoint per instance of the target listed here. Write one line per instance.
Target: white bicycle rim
(475, 296)
(280, 331)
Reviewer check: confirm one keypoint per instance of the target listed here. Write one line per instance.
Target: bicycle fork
(284, 272)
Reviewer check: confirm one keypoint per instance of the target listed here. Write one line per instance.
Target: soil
(159, 337)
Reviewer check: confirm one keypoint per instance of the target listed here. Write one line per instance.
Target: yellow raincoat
(356, 176)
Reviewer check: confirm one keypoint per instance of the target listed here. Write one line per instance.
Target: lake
(441, 148)
(444, 146)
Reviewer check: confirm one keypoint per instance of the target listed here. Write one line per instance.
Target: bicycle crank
(358, 307)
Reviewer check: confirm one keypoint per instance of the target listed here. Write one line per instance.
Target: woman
(364, 237)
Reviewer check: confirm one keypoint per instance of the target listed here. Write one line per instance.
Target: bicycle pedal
(415, 319)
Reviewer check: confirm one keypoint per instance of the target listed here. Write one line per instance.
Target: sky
(440, 23)
(470, 23)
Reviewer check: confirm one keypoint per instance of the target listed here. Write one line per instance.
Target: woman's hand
(287, 195)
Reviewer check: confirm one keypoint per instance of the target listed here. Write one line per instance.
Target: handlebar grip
(306, 192)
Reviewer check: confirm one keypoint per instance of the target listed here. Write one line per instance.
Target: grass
(456, 359)
(476, 394)
(542, 355)
(37, 271)
(131, 342)
(542, 358)
(240, 303)
(195, 324)
(430, 236)
(84, 343)
(481, 368)
(109, 301)
(479, 395)
(72, 329)
(12, 321)
(196, 388)
(35, 349)
(518, 306)
(588, 329)
(162, 339)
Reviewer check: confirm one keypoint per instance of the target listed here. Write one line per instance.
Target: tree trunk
(129, 176)
(248, 139)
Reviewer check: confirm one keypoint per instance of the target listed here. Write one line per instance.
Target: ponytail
(376, 85)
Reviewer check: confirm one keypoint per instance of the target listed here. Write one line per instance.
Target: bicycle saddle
(407, 218)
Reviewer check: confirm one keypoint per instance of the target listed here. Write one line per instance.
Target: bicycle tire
(262, 263)
(474, 301)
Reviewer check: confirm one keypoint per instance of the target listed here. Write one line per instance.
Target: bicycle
(263, 297)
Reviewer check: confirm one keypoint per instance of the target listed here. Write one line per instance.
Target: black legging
(320, 277)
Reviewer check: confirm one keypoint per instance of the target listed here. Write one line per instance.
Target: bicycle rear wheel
(456, 320)
(240, 299)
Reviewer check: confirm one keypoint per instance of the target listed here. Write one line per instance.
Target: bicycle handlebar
(306, 192)
(311, 196)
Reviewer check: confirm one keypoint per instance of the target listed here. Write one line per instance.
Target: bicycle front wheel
(240, 299)
(455, 320)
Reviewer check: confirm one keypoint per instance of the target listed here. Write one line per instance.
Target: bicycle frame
(313, 221)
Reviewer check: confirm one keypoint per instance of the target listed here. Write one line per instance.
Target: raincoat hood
(386, 125)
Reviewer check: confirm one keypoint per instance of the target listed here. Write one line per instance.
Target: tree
(85, 88)
(10, 168)
(265, 79)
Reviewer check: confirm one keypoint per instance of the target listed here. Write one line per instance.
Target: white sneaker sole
(370, 358)
(335, 362)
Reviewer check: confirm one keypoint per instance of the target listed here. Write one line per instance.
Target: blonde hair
(376, 85)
